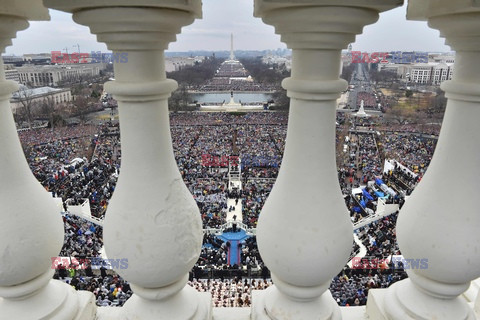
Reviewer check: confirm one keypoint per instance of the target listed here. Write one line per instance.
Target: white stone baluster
(440, 223)
(152, 219)
(31, 227)
(304, 231)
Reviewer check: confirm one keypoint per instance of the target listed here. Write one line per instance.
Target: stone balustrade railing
(303, 244)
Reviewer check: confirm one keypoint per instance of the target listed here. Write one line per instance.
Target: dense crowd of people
(231, 75)
(379, 237)
(74, 163)
(362, 161)
(411, 150)
(369, 100)
(82, 238)
(211, 199)
(255, 192)
(403, 177)
(108, 289)
(83, 162)
(427, 129)
(221, 84)
(42, 136)
(351, 286)
(224, 118)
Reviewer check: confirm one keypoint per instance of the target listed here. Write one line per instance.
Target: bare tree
(399, 114)
(341, 134)
(48, 109)
(438, 102)
(25, 98)
(81, 107)
(180, 99)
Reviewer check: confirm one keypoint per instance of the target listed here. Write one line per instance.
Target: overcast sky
(222, 17)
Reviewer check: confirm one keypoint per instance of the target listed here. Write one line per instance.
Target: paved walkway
(237, 212)
(363, 250)
(231, 203)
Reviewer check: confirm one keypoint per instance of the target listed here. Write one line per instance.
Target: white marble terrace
(440, 222)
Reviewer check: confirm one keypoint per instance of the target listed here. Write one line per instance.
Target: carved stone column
(440, 222)
(31, 227)
(152, 219)
(304, 232)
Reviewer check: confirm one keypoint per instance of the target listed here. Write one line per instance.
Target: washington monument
(232, 56)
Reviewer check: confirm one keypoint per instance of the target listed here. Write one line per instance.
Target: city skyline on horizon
(224, 52)
(212, 33)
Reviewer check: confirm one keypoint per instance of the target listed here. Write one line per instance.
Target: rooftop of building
(36, 92)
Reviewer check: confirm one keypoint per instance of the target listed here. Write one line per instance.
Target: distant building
(11, 73)
(31, 58)
(442, 72)
(420, 73)
(431, 73)
(270, 59)
(38, 58)
(37, 96)
(16, 60)
(51, 75)
(177, 63)
(445, 58)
